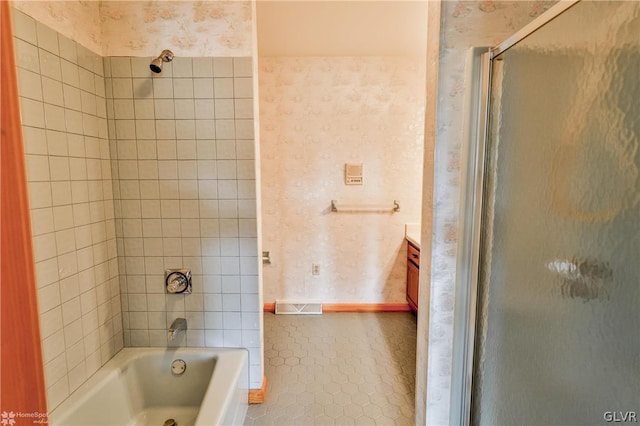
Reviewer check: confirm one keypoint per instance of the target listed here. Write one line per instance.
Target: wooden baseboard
(258, 396)
(365, 307)
(354, 307)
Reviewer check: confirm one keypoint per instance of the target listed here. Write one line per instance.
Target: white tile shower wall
(61, 87)
(184, 182)
(316, 114)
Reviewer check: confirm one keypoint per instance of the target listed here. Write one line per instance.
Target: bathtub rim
(125, 356)
(213, 406)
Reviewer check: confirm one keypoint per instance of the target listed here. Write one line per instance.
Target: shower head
(156, 64)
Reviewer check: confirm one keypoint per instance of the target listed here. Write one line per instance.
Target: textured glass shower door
(558, 324)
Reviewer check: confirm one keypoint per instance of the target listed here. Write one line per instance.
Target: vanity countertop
(412, 233)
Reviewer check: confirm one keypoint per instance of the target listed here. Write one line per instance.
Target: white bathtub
(137, 387)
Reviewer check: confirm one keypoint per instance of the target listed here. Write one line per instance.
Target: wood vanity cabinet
(413, 275)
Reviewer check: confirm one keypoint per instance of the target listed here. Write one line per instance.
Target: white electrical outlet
(315, 269)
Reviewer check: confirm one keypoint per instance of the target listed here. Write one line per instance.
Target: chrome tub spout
(180, 324)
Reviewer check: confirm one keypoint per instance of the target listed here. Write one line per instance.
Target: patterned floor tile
(338, 369)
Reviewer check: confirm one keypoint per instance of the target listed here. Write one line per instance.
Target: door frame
(22, 388)
(474, 152)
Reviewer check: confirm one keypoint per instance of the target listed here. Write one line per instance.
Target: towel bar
(364, 208)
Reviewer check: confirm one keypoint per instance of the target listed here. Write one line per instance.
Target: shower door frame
(472, 194)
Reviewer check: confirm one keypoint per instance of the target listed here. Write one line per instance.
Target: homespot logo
(10, 418)
(620, 416)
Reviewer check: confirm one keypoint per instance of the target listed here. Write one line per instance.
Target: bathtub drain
(178, 367)
(170, 422)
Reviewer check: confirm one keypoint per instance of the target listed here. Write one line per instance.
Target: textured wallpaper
(189, 28)
(318, 113)
(77, 20)
(145, 28)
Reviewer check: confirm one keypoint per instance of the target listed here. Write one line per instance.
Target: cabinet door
(413, 276)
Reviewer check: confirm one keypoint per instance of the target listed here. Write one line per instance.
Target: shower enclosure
(548, 303)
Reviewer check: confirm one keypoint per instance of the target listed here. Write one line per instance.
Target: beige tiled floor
(338, 369)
